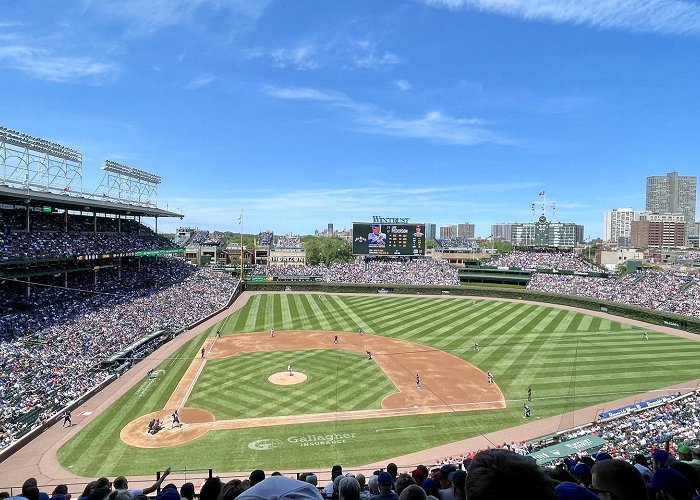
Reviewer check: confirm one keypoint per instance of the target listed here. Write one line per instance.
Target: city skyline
(437, 110)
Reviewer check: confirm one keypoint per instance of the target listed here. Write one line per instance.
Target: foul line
(404, 428)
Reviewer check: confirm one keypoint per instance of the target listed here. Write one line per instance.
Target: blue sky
(307, 112)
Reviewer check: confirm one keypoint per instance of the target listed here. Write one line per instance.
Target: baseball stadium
(121, 358)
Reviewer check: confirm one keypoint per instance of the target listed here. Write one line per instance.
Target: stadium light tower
(31, 162)
(129, 184)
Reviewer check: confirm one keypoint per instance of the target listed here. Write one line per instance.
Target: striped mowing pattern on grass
(564, 355)
(338, 380)
(571, 360)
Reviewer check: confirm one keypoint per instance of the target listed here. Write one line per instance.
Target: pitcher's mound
(283, 378)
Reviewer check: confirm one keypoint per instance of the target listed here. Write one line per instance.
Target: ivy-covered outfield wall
(634, 312)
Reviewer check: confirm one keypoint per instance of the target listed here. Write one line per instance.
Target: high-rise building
(673, 193)
(429, 231)
(618, 225)
(448, 231)
(465, 230)
(658, 233)
(330, 229)
(501, 231)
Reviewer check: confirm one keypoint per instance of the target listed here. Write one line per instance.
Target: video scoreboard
(388, 239)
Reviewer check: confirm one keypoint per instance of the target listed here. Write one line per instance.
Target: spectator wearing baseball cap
(572, 491)
(458, 478)
(281, 487)
(445, 492)
(385, 492)
(684, 453)
(672, 483)
(619, 480)
(641, 464)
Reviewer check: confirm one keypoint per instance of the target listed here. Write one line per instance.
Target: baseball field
(241, 406)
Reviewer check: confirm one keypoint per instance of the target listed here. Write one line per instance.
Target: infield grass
(337, 380)
(571, 360)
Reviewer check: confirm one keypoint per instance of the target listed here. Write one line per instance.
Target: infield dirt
(447, 383)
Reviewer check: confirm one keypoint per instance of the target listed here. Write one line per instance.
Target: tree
(327, 250)
(502, 245)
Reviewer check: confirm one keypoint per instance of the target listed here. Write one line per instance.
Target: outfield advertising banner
(388, 239)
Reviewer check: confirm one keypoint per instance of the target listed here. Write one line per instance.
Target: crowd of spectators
(457, 242)
(424, 271)
(674, 423)
(544, 260)
(21, 246)
(289, 241)
(54, 340)
(264, 238)
(56, 236)
(669, 291)
(52, 222)
(493, 474)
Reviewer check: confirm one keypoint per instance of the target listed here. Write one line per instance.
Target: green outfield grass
(337, 380)
(571, 360)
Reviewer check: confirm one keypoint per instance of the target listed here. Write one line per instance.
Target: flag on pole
(541, 193)
(240, 218)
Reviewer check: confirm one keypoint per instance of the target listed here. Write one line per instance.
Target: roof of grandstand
(15, 196)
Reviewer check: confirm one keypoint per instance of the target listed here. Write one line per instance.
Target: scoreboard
(388, 239)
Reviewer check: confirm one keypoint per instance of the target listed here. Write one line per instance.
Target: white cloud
(429, 203)
(647, 16)
(434, 126)
(368, 56)
(301, 57)
(147, 16)
(403, 85)
(201, 81)
(45, 65)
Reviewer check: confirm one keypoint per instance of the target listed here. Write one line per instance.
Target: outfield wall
(626, 311)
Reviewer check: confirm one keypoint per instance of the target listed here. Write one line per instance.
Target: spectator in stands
(233, 489)
(503, 475)
(364, 489)
(30, 489)
(210, 489)
(402, 481)
(669, 484)
(87, 490)
(689, 472)
(385, 481)
(187, 491)
(336, 470)
(256, 476)
(121, 483)
(413, 492)
(458, 481)
(618, 479)
(445, 492)
(373, 484)
(281, 487)
(60, 492)
(349, 489)
(431, 488)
